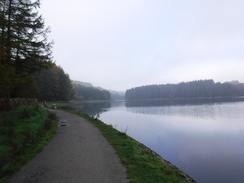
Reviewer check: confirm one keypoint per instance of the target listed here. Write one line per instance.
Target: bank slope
(143, 164)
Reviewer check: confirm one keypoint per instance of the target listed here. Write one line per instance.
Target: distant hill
(193, 89)
(83, 83)
(239, 87)
(115, 95)
(88, 92)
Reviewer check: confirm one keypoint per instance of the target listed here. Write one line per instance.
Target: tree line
(24, 48)
(26, 66)
(193, 89)
(89, 93)
(53, 84)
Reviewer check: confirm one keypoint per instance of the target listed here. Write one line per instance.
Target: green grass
(24, 132)
(143, 165)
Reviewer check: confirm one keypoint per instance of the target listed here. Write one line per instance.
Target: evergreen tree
(90, 93)
(23, 36)
(24, 48)
(193, 89)
(53, 84)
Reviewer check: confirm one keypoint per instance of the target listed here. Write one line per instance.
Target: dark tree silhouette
(24, 48)
(193, 89)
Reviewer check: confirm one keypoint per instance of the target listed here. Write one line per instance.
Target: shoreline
(135, 154)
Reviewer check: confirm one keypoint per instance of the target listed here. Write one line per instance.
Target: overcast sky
(120, 44)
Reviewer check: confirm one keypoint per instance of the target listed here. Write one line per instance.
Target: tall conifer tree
(24, 48)
(23, 36)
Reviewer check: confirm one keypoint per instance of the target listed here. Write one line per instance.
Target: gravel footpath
(78, 153)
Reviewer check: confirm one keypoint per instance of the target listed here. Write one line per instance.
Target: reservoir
(204, 138)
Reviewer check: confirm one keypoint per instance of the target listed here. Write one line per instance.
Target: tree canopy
(53, 84)
(24, 48)
(193, 89)
(90, 93)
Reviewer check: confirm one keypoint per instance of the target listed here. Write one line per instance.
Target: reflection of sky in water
(205, 141)
(204, 111)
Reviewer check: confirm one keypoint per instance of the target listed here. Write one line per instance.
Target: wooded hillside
(53, 84)
(89, 93)
(193, 89)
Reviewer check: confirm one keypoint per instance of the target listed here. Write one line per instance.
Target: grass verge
(24, 132)
(143, 165)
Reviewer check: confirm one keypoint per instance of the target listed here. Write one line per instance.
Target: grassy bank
(143, 165)
(24, 132)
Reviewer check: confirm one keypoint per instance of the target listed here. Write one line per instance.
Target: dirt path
(78, 153)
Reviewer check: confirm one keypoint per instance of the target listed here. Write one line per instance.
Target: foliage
(24, 48)
(53, 84)
(90, 93)
(23, 36)
(194, 89)
(143, 165)
(7, 81)
(25, 88)
(23, 133)
(15, 85)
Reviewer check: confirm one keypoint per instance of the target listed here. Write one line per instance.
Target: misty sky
(120, 44)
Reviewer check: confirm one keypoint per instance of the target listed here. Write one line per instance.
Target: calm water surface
(205, 140)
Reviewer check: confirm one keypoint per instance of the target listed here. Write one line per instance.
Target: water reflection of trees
(93, 108)
(183, 101)
(198, 108)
